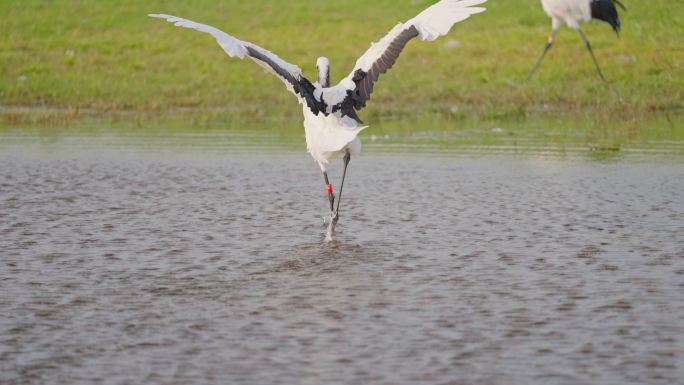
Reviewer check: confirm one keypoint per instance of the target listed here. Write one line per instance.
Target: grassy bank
(63, 61)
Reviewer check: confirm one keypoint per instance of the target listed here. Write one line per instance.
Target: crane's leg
(549, 44)
(586, 43)
(329, 189)
(347, 158)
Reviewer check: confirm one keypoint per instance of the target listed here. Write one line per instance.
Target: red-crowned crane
(331, 123)
(572, 12)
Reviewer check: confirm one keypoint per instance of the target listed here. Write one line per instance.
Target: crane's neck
(323, 66)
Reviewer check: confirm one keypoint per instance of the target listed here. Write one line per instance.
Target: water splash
(331, 221)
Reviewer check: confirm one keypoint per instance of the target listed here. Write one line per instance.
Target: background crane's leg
(586, 43)
(329, 189)
(347, 158)
(549, 44)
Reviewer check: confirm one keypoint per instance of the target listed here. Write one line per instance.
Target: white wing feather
(437, 20)
(432, 23)
(237, 48)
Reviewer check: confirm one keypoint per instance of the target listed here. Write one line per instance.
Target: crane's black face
(323, 66)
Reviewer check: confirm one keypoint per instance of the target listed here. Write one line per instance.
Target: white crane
(572, 12)
(331, 123)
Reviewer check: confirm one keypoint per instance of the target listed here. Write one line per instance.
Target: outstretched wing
(430, 24)
(290, 74)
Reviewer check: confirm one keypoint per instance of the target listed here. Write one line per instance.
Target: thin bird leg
(329, 189)
(586, 43)
(549, 44)
(346, 159)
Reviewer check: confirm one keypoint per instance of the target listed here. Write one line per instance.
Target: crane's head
(323, 66)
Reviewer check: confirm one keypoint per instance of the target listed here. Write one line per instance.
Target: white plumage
(438, 19)
(331, 123)
(235, 47)
(570, 12)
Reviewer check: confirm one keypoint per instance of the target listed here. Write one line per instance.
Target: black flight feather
(365, 81)
(302, 87)
(605, 10)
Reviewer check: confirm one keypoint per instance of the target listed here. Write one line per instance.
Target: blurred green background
(65, 60)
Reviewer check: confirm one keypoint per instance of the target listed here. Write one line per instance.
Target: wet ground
(128, 261)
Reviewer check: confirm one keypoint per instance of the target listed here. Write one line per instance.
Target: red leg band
(329, 188)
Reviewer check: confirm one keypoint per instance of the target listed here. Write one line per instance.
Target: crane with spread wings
(331, 122)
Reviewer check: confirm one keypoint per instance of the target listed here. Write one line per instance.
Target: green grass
(68, 59)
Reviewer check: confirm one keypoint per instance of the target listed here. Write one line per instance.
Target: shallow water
(126, 260)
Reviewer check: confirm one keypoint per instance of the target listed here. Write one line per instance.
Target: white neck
(324, 76)
(323, 66)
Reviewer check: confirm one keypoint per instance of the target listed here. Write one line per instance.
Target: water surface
(126, 259)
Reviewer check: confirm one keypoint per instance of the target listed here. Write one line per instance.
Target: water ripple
(186, 266)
